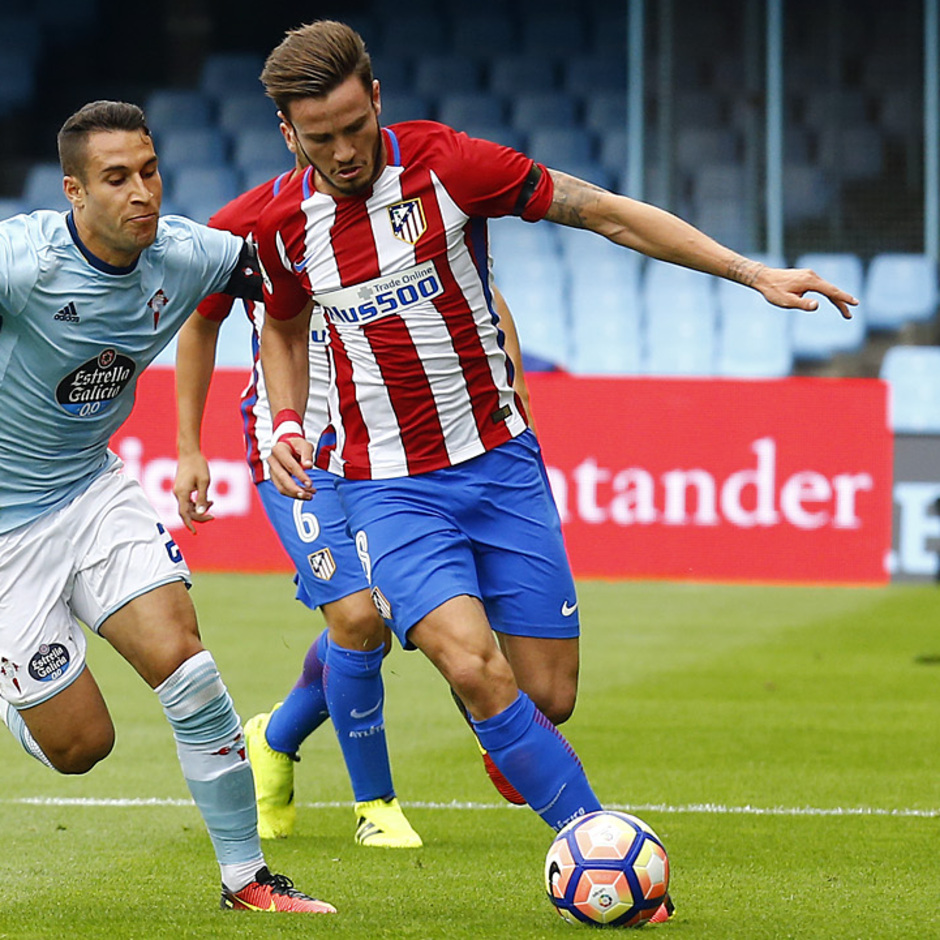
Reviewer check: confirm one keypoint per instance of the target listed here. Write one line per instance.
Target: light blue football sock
(305, 708)
(211, 751)
(14, 721)
(355, 696)
(536, 759)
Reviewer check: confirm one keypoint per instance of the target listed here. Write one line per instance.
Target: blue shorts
(487, 527)
(317, 539)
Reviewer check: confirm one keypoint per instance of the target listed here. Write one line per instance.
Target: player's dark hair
(95, 116)
(313, 60)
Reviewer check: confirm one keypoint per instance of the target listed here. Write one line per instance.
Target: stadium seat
(553, 33)
(605, 111)
(513, 240)
(538, 110)
(10, 207)
(192, 146)
(608, 340)
(178, 109)
(254, 146)
(17, 80)
(590, 76)
(228, 73)
(42, 188)
(561, 146)
(753, 337)
(807, 192)
(392, 71)
(199, 191)
(435, 75)
(900, 288)
(913, 373)
(726, 220)
(484, 33)
(246, 110)
(853, 153)
(535, 289)
(582, 248)
(259, 173)
(680, 317)
(404, 106)
(460, 109)
(503, 134)
(823, 333)
(522, 73)
(413, 30)
(698, 145)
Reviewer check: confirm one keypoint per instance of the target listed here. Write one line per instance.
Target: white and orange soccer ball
(607, 868)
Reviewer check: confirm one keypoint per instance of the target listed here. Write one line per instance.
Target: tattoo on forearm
(571, 197)
(744, 271)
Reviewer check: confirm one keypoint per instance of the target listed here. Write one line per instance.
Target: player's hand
(289, 462)
(191, 489)
(786, 287)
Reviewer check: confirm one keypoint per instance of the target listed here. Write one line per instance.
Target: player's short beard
(350, 189)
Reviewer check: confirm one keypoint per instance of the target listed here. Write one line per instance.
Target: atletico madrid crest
(407, 218)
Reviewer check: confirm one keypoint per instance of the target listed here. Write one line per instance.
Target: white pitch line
(705, 809)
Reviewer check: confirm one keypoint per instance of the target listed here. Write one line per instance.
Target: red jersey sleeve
(484, 178)
(282, 223)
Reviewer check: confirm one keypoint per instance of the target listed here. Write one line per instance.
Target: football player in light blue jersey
(87, 300)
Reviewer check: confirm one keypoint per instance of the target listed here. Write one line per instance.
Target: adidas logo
(68, 313)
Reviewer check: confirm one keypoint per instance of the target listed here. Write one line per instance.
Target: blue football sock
(356, 699)
(536, 759)
(305, 708)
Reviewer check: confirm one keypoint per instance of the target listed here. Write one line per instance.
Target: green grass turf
(738, 721)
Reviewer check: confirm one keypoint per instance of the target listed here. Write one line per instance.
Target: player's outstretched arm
(195, 360)
(662, 235)
(285, 362)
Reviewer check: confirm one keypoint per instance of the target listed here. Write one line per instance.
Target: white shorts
(81, 562)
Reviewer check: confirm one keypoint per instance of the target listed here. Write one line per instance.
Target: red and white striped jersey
(420, 378)
(240, 217)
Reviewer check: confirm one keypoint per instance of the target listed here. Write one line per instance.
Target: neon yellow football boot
(382, 824)
(274, 780)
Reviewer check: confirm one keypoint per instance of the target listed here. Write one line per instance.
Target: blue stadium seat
(392, 71)
(461, 109)
(589, 75)
(404, 106)
(404, 32)
(522, 73)
(582, 248)
(560, 146)
(512, 241)
(178, 109)
(199, 191)
(439, 74)
(726, 220)
(17, 80)
(591, 171)
(195, 146)
(42, 188)
(554, 33)
(807, 192)
(535, 289)
(719, 181)
(606, 313)
(606, 112)
(259, 173)
(246, 110)
(503, 134)
(11, 207)
(753, 337)
(699, 145)
(537, 110)
(680, 317)
(824, 332)
(254, 146)
(484, 33)
(853, 153)
(913, 373)
(900, 288)
(229, 73)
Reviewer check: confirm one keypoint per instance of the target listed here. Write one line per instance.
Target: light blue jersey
(75, 335)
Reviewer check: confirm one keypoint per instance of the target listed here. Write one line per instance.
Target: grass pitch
(782, 741)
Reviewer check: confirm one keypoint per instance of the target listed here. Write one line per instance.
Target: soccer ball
(607, 868)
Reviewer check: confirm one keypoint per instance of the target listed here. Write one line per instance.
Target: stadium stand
(913, 373)
(900, 288)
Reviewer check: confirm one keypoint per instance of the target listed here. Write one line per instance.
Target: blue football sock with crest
(536, 759)
(355, 696)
